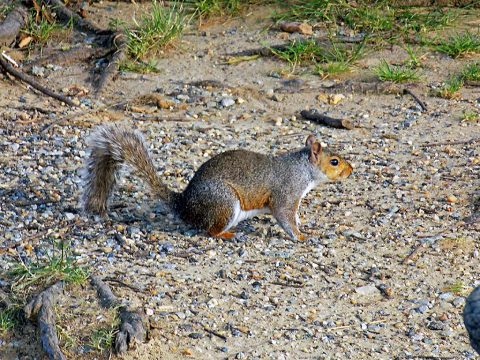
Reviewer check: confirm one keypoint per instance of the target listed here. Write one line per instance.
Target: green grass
(328, 59)
(387, 72)
(375, 17)
(208, 8)
(460, 44)
(42, 30)
(471, 72)
(450, 87)
(142, 67)
(413, 59)
(157, 29)
(102, 339)
(7, 320)
(458, 288)
(470, 115)
(45, 272)
(5, 9)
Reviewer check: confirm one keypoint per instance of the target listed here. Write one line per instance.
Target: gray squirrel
(228, 188)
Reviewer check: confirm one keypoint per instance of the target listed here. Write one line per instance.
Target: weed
(450, 87)
(208, 8)
(458, 288)
(422, 22)
(65, 337)
(469, 115)
(102, 339)
(329, 59)
(157, 29)
(6, 8)
(460, 44)
(471, 72)
(42, 29)
(413, 60)
(116, 24)
(387, 72)
(7, 319)
(148, 67)
(56, 267)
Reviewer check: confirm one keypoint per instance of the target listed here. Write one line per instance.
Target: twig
(314, 115)
(459, 142)
(414, 252)
(213, 332)
(42, 306)
(415, 97)
(132, 287)
(289, 284)
(27, 79)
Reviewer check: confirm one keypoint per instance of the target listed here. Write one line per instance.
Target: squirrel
(228, 188)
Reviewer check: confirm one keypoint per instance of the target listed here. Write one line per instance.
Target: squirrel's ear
(315, 151)
(310, 140)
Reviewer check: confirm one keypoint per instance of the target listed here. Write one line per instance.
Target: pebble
(227, 102)
(367, 290)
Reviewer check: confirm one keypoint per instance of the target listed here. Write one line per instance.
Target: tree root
(30, 81)
(10, 27)
(133, 325)
(119, 43)
(42, 307)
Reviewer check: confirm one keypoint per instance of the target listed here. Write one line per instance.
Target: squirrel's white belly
(240, 215)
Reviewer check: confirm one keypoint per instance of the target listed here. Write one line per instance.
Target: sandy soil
(268, 296)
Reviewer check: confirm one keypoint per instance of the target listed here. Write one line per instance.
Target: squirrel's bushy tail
(111, 146)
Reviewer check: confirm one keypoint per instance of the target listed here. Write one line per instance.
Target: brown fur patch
(252, 198)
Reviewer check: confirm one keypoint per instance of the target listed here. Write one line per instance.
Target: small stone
(459, 302)
(452, 199)
(212, 303)
(334, 99)
(195, 335)
(367, 290)
(227, 102)
(38, 71)
(296, 27)
(69, 216)
(240, 100)
(187, 352)
(107, 249)
(422, 309)
(149, 311)
(278, 121)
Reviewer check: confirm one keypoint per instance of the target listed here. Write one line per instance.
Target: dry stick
(459, 142)
(415, 97)
(42, 306)
(79, 53)
(27, 79)
(314, 115)
(10, 27)
(133, 325)
(213, 332)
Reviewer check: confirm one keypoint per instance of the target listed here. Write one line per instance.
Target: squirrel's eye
(334, 162)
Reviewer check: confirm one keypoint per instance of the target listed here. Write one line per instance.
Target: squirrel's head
(332, 165)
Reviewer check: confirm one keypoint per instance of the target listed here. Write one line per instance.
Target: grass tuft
(329, 59)
(458, 288)
(102, 339)
(142, 67)
(209, 8)
(156, 30)
(55, 268)
(7, 319)
(470, 116)
(40, 30)
(471, 72)
(460, 44)
(450, 87)
(387, 72)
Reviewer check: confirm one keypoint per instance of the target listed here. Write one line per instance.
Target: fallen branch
(419, 102)
(133, 325)
(10, 27)
(314, 115)
(9, 69)
(42, 307)
(213, 332)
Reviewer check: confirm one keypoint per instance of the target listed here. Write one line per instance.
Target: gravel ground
(374, 280)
